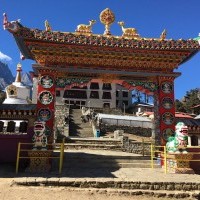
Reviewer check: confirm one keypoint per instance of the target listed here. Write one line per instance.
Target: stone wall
(144, 132)
(143, 148)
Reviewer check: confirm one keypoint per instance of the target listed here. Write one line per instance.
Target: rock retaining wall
(143, 132)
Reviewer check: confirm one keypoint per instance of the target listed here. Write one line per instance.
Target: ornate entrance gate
(146, 64)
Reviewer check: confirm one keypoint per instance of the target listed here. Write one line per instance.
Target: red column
(46, 100)
(166, 108)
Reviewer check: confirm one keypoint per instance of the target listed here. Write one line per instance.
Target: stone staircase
(77, 128)
(96, 159)
(131, 189)
(93, 143)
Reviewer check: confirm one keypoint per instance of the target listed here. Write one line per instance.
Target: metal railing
(60, 157)
(160, 154)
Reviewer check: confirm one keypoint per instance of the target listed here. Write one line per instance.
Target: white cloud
(4, 57)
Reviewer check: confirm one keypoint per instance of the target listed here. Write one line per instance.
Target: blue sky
(181, 18)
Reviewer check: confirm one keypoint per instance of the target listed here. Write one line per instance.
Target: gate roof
(61, 50)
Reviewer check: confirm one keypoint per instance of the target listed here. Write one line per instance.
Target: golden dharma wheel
(107, 17)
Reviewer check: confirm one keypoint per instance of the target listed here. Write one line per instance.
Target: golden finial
(107, 17)
(47, 26)
(18, 76)
(19, 67)
(163, 35)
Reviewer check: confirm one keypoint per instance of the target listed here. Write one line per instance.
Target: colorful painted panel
(167, 87)
(46, 81)
(167, 133)
(168, 118)
(45, 97)
(167, 103)
(44, 114)
(150, 86)
(63, 82)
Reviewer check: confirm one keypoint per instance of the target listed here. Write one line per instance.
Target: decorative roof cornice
(54, 48)
(105, 41)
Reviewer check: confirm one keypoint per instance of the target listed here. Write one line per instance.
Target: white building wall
(59, 100)
(23, 92)
(120, 97)
(99, 103)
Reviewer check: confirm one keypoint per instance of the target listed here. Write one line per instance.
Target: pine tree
(190, 102)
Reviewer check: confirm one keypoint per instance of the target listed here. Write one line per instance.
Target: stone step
(77, 127)
(102, 161)
(85, 131)
(84, 128)
(81, 134)
(88, 160)
(92, 146)
(79, 165)
(166, 190)
(91, 157)
(107, 160)
(92, 140)
(95, 142)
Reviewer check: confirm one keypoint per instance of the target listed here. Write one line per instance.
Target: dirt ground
(8, 191)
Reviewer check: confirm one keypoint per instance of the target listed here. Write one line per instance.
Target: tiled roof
(183, 115)
(17, 106)
(189, 122)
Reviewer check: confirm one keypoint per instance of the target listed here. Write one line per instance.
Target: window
(106, 105)
(11, 126)
(106, 95)
(117, 102)
(125, 94)
(117, 93)
(66, 102)
(75, 94)
(83, 103)
(125, 102)
(94, 95)
(79, 87)
(23, 127)
(194, 140)
(1, 126)
(58, 93)
(107, 86)
(94, 86)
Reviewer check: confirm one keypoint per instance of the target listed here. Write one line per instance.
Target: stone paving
(127, 174)
(127, 181)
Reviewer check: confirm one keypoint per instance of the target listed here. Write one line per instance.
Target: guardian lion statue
(178, 142)
(39, 138)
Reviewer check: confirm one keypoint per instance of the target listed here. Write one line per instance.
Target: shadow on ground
(75, 165)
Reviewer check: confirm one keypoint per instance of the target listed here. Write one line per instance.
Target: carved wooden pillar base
(175, 165)
(39, 160)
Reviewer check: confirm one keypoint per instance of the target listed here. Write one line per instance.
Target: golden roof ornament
(19, 67)
(129, 32)
(163, 35)
(85, 29)
(47, 26)
(18, 76)
(107, 17)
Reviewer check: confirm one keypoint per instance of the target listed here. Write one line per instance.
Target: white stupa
(17, 92)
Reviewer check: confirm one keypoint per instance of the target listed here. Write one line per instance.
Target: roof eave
(23, 48)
